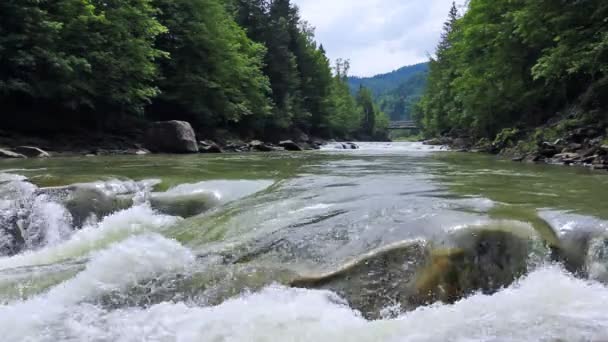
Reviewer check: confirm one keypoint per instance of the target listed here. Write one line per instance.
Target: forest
(251, 67)
(516, 65)
(396, 92)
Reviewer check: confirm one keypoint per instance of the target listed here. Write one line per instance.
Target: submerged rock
(408, 274)
(209, 147)
(379, 279)
(171, 137)
(184, 205)
(289, 145)
(85, 202)
(10, 154)
(32, 152)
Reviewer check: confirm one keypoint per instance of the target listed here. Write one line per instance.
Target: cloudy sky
(377, 36)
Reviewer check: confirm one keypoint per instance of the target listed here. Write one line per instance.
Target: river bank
(179, 137)
(579, 139)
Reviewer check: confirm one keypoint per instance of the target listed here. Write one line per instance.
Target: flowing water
(391, 242)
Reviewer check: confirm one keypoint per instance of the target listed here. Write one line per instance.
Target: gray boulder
(10, 154)
(31, 152)
(171, 137)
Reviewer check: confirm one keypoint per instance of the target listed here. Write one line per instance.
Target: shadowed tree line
(247, 66)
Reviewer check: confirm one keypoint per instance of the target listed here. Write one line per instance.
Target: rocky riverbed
(159, 137)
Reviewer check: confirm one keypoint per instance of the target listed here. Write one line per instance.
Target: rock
(209, 147)
(352, 146)
(260, 146)
(84, 202)
(567, 158)
(142, 152)
(11, 237)
(599, 167)
(573, 147)
(10, 154)
(184, 205)
(535, 158)
(433, 142)
(289, 145)
(375, 280)
(171, 137)
(548, 150)
(31, 152)
(604, 148)
(518, 159)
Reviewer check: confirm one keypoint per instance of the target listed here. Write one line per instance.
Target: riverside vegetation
(231, 68)
(528, 79)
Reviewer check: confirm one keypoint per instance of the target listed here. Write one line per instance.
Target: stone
(184, 205)
(11, 239)
(171, 137)
(518, 159)
(352, 146)
(289, 145)
(84, 202)
(31, 152)
(209, 147)
(547, 149)
(10, 154)
(260, 146)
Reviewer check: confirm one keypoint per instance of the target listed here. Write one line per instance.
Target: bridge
(403, 125)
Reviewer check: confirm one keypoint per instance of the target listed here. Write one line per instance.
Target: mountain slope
(395, 92)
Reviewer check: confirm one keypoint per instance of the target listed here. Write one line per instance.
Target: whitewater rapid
(62, 285)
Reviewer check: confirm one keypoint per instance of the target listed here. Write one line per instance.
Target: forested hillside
(395, 92)
(248, 66)
(509, 67)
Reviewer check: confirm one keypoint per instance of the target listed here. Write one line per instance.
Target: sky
(377, 36)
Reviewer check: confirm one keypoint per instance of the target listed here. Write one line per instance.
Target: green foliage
(93, 53)
(396, 92)
(507, 63)
(214, 70)
(252, 66)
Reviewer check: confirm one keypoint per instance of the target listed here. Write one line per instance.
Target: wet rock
(412, 274)
(573, 147)
(518, 158)
(260, 146)
(11, 237)
(547, 150)
(289, 145)
(184, 205)
(10, 154)
(31, 152)
(376, 280)
(604, 148)
(351, 145)
(171, 137)
(85, 202)
(209, 147)
(567, 158)
(483, 260)
(534, 158)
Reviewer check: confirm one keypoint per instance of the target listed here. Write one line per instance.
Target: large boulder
(171, 137)
(31, 152)
(10, 154)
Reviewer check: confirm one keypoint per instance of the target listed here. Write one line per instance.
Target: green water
(353, 222)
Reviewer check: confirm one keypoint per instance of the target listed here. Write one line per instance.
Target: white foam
(223, 190)
(118, 226)
(548, 305)
(117, 268)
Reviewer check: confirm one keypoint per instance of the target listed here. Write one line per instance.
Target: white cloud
(377, 35)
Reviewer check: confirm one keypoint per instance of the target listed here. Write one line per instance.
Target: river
(391, 242)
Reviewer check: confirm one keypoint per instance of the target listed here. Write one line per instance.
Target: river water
(391, 242)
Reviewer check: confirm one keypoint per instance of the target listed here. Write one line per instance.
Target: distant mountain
(395, 92)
